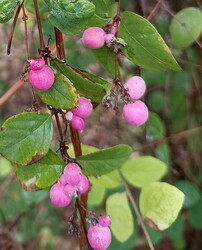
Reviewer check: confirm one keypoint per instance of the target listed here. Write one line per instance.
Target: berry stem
(25, 18)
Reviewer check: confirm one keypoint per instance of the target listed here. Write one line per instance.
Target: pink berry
(104, 221)
(58, 196)
(135, 113)
(84, 108)
(73, 174)
(78, 123)
(37, 64)
(83, 185)
(63, 179)
(99, 237)
(93, 37)
(108, 38)
(69, 116)
(41, 76)
(70, 190)
(136, 87)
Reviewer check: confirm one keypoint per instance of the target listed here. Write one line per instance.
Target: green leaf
(62, 95)
(101, 7)
(86, 149)
(83, 84)
(155, 128)
(26, 137)
(106, 84)
(194, 215)
(41, 174)
(70, 17)
(105, 160)
(118, 209)
(160, 204)
(145, 47)
(106, 57)
(186, 27)
(155, 236)
(192, 193)
(177, 229)
(96, 195)
(109, 181)
(163, 153)
(143, 170)
(7, 9)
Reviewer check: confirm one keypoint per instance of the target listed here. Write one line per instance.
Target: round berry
(41, 76)
(73, 174)
(109, 38)
(93, 37)
(104, 221)
(70, 190)
(58, 196)
(84, 108)
(135, 113)
(63, 179)
(99, 237)
(83, 185)
(69, 116)
(136, 87)
(78, 123)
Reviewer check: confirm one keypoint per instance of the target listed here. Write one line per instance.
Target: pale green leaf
(160, 204)
(96, 195)
(143, 170)
(118, 209)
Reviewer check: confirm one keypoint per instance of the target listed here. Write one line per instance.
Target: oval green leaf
(160, 204)
(192, 193)
(118, 209)
(186, 27)
(26, 137)
(62, 95)
(143, 170)
(70, 17)
(105, 160)
(144, 45)
(42, 174)
(194, 215)
(83, 84)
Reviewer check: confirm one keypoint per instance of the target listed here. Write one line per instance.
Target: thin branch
(25, 18)
(42, 44)
(13, 28)
(154, 10)
(172, 137)
(139, 218)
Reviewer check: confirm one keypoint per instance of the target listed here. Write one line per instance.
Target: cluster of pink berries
(95, 37)
(135, 113)
(71, 183)
(76, 116)
(41, 76)
(99, 234)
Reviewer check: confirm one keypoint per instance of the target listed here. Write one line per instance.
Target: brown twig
(13, 27)
(139, 218)
(154, 10)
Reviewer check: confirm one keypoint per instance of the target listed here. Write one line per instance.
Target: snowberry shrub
(93, 37)
(41, 76)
